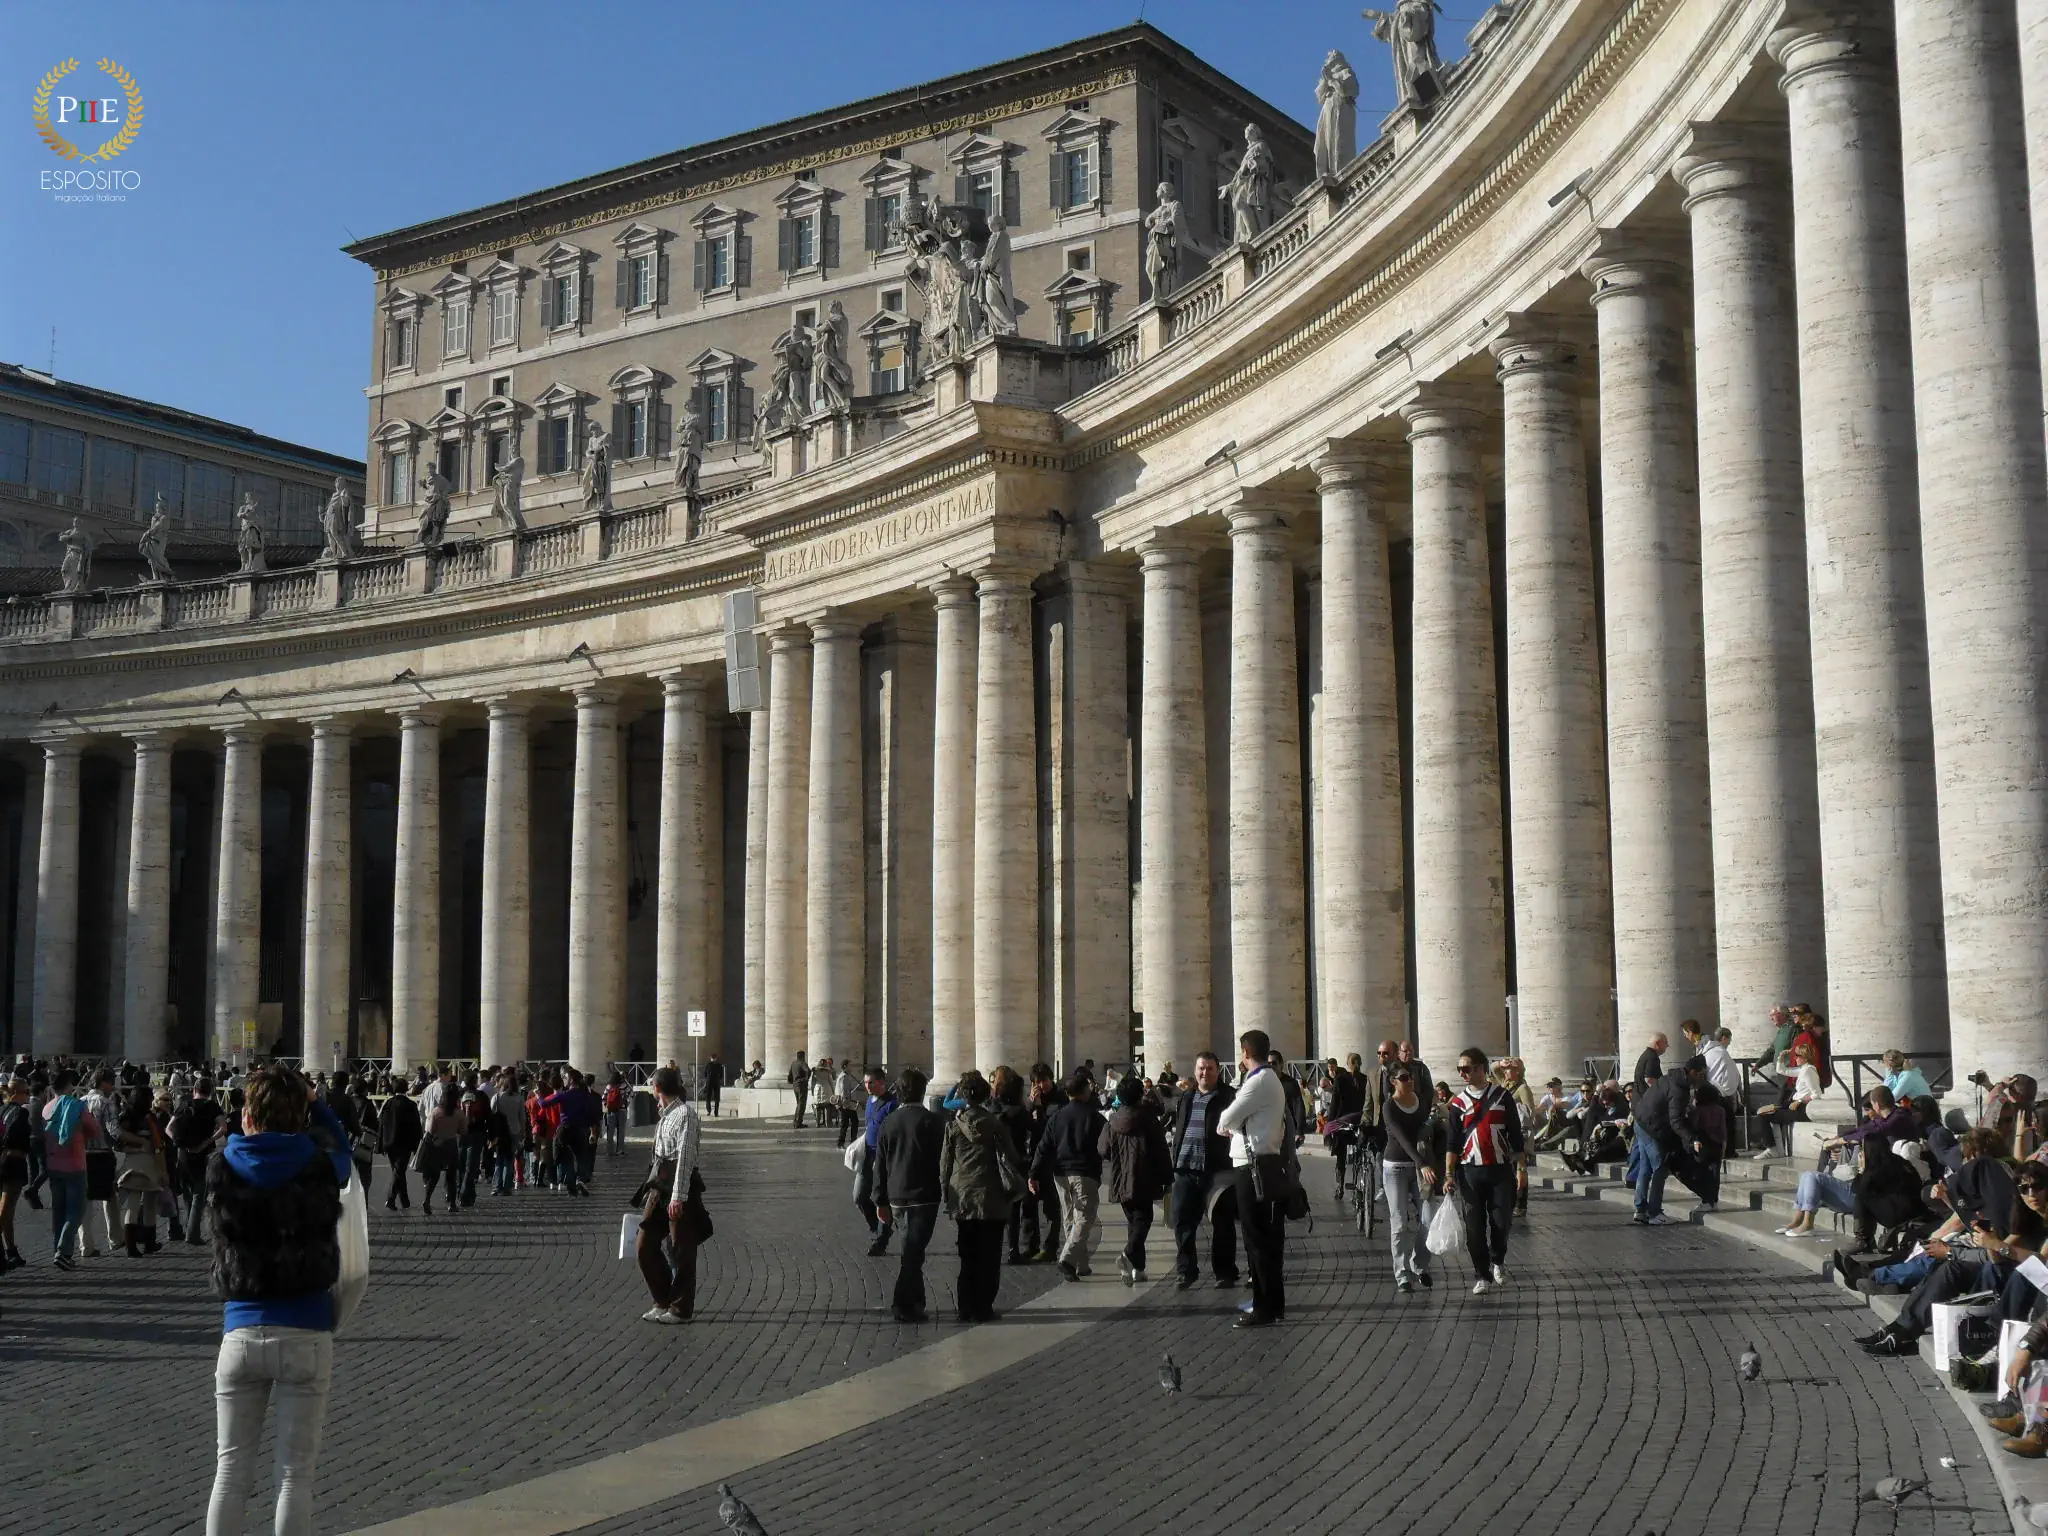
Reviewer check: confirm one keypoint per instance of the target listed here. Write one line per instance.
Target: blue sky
(274, 133)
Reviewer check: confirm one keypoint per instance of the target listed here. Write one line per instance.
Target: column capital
(1096, 577)
(834, 624)
(1172, 544)
(1628, 262)
(596, 695)
(952, 590)
(1442, 408)
(505, 706)
(416, 717)
(242, 733)
(1005, 576)
(1815, 37)
(1341, 464)
(328, 727)
(56, 746)
(788, 637)
(1731, 159)
(156, 738)
(1527, 343)
(682, 685)
(1247, 521)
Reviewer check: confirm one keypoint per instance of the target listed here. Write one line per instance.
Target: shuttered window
(504, 316)
(455, 329)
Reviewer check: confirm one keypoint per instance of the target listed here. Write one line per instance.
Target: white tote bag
(352, 1233)
(1446, 1229)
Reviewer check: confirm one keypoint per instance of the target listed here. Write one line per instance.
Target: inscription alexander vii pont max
(882, 535)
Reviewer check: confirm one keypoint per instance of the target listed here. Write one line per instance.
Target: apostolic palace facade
(1109, 568)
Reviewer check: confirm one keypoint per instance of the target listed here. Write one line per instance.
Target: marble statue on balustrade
(1410, 30)
(76, 568)
(249, 539)
(1164, 228)
(506, 483)
(941, 273)
(155, 544)
(790, 384)
(1249, 191)
(1336, 116)
(831, 374)
(338, 524)
(689, 459)
(993, 284)
(597, 469)
(433, 507)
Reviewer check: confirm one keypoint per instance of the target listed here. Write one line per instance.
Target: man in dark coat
(399, 1129)
(1200, 1155)
(907, 1188)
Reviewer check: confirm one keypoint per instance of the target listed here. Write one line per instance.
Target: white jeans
(257, 1366)
(1407, 1219)
(1078, 1227)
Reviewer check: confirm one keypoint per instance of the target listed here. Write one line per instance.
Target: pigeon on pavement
(1751, 1364)
(2032, 1515)
(1169, 1376)
(734, 1514)
(1891, 1491)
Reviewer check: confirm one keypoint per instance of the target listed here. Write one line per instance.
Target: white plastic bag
(629, 1233)
(852, 1155)
(1446, 1229)
(352, 1234)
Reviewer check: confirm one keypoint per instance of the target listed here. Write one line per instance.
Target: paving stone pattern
(1596, 1394)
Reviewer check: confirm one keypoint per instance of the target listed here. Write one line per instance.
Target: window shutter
(830, 255)
(547, 301)
(697, 404)
(742, 261)
(1057, 163)
(785, 245)
(963, 191)
(664, 419)
(1013, 196)
(620, 279)
(661, 278)
(874, 221)
(740, 414)
(1102, 172)
(622, 447)
(575, 315)
(700, 257)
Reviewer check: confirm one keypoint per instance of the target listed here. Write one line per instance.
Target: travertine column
(325, 929)
(1173, 810)
(1873, 726)
(754, 969)
(1005, 825)
(1984, 509)
(953, 832)
(1460, 922)
(1759, 680)
(504, 987)
(1093, 780)
(682, 930)
(789, 792)
(900, 875)
(238, 887)
(1557, 773)
(1268, 906)
(147, 975)
(56, 957)
(1662, 835)
(835, 903)
(597, 886)
(416, 893)
(114, 990)
(2033, 19)
(27, 876)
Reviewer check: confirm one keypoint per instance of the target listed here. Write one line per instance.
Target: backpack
(614, 1097)
(476, 1115)
(16, 1135)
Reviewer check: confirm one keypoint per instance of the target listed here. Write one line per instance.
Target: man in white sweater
(1256, 1122)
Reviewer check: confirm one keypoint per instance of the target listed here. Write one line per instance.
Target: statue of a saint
(942, 277)
(76, 568)
(1162, 242)
(1250, 188)
(506, 483)
(338, 524)
(433, 507)
(993, 280)
(1410, 30)
(248, 538)
(155, 544)
(792, 377)
(1336, 115)
(597, 469)
(689, 455)
(832, 377)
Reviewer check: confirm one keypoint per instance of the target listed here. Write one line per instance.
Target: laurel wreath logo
(62, 146)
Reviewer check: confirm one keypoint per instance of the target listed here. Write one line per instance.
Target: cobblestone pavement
(1596, 1394)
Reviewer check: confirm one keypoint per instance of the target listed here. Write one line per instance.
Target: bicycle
(1363, 1159)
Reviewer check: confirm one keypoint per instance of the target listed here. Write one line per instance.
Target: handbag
(101, 1165)
(693, 1208)
(352, 1237)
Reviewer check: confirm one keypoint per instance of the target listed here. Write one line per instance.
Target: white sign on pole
(697, 1030)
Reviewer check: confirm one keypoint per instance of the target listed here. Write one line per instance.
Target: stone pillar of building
(416, 893)
(504, 992)
(1173, 809)
(1268, 903)
(900, 876)
(2033, 20)
(835, 901)
(147, 974)
(27, 876)
(1006, 880)
(953, 740)
(55, 1027)
(326, 942)
(785, 944)
(1557, 767)
(1662, 846)
(682, 929)
(1768, 929)
(238, 887)
(1460, 874)
(597, 886)
(1873, 726)
(1984, 505)
(754, 939)
(1092, 856)
(114, 984)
